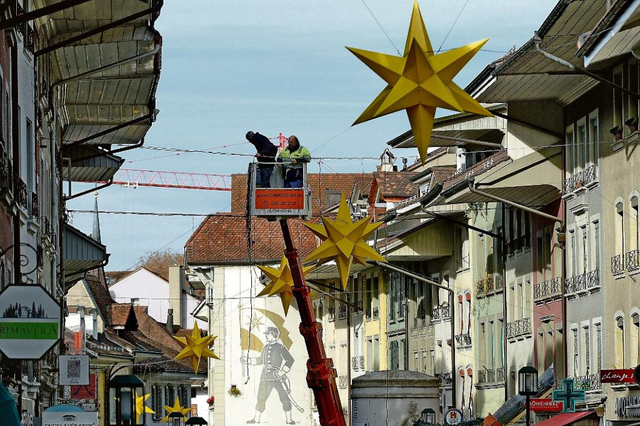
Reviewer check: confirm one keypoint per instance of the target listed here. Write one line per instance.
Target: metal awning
(526, 74)
(534, 180)
(89, 164)
(81, 252)
(431, 239)
(104, 84)
(330, 271)
(566, 418)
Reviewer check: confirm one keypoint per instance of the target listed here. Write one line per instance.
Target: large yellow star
(177, 408)
(140, 407)
(420, 81)
(196, 347)
(281, 282)
(343, 241)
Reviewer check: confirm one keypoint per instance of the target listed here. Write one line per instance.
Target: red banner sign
(617, 376)
(545, 404)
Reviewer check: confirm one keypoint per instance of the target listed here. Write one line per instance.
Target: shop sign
(545, 404)
(69, 418)
(29, 321)
(74, 369)
(617, 376)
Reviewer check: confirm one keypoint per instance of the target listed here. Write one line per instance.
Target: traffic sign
(30, 321)
(453, 417)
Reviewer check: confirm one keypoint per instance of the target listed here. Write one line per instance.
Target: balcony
(588, 281)
(463, 340)
(632, 260)
(440, 313)
(22, 194)
(445, 379)
(587, 383)
(579, 180)
(493, 375)
(617, 264)
(342, 311)
(547, 290)
(488, 285)
(517, 328)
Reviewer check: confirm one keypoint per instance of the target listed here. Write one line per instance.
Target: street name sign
(29, 321)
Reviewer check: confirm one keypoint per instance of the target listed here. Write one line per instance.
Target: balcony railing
(343, 381)
(22, 194)
(35, 206)
(361, 361)
(579, 180)
(376, 312)
(30, 40)
(342, 311)
(587, 383)
(463, 340)
(632, 260)
(547, 290)
(617, 264)
(440, 313)
(492, 375)
(583, 282)
(519, 327)
(355, 366)
(445, 379)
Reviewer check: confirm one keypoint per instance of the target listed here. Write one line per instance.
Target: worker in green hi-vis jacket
(292, 158)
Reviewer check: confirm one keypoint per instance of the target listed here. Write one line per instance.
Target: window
(461, 242)
(424, 361)
(581, 145)
(370, 353)
(156, 401)
(394, 279)
(619, 346)
(595, 263)
(185, 401)
(376, 354)
(594, 138)
(375, 302)
(572, 157)
(576, 353)
(598, 347)
(635, 338)
(618, 98)
(394, 355)
(368, 298)
(634, 240)
(169, 394)
(631, 111)
(587, 350)
(619, 228)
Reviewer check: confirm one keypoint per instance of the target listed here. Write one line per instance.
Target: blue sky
(279, 66)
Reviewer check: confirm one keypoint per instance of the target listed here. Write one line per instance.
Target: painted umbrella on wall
(420, 81)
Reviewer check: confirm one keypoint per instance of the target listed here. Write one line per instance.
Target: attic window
(332, 197)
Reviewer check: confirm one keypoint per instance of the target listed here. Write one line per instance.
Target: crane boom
(166, 179)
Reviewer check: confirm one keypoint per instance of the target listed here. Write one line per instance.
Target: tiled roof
(394, 185)
(223, 239)
(100, 294)
(442, 173)
(119, 314)
(320, 184)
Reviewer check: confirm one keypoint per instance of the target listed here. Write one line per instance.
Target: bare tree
(158, 262)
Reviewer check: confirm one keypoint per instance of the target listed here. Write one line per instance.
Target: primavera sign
(29, 321)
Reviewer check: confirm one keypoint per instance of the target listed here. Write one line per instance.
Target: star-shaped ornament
(281, 282)
(140, 407)
(343, 241)
(195, 347)
(420, 81)
(177, 408)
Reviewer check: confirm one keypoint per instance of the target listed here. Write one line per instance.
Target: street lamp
(528, 385)
(175, 419)
(427, 417)
(121, 402)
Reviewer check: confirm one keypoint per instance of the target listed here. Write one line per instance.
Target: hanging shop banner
(74, 369)
(545, 404)
(85, 391)
(71, 418)
(617, 376)
(29, 321)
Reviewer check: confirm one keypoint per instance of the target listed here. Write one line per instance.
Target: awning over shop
(431, 239)
(534, 181)
(566, 418)
(8, 409)
(81, 252)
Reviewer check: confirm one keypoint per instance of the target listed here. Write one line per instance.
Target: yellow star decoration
(196, 347)
(177, 408)
(420, 81)
(343, 241)
(140, 407)
(281, 282)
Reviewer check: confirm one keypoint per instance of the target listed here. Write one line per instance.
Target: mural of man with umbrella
(276, 361)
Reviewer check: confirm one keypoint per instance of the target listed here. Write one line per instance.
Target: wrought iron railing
(445, 379)
(519, 327)
(440, 313)
(376, 312)
(491, 375)
(632, 260)
(500, 374)
(463, 340)
(342, 311)
(547, 289)
(617, 264)
(582, 282)
(343, 381)
(589, 174)
(6, 173)
(355, 366)
(361, 361)
(30, 40)
(35, 206)
(587, 383)
(21, 195)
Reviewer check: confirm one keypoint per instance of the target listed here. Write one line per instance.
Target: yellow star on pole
(420, 81)
(281, 282)
(344, 241)
(195, 347)
(140, 407)
(177, 408)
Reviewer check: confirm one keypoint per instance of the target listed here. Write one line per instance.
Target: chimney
(94, 316)
(176, 285)
(170, 321)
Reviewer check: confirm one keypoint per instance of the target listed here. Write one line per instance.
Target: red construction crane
(164, 179)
